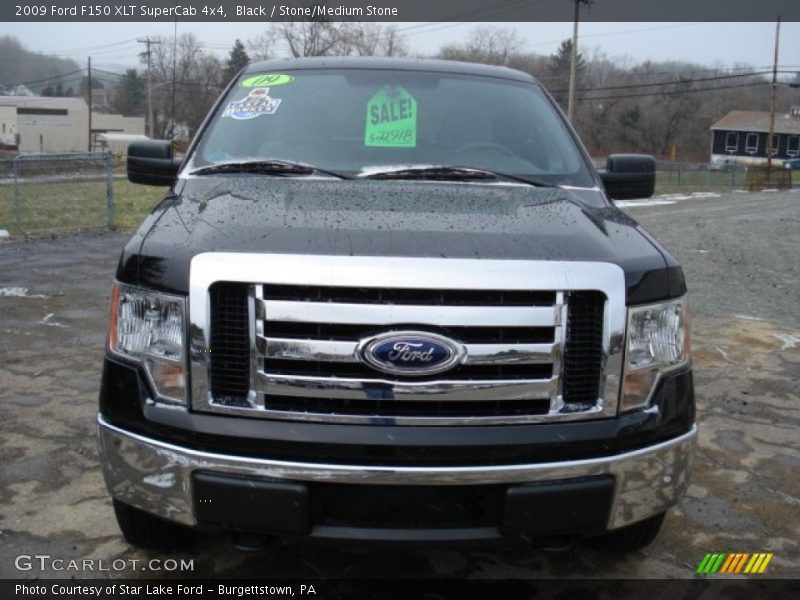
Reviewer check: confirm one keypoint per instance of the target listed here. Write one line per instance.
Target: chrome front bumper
(156, 477)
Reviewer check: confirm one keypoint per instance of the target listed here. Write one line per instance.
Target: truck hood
(387, 218)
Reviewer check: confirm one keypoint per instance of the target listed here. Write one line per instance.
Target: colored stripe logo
(734, 563)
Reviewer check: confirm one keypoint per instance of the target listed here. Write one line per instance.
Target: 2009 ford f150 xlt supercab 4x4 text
(390, 300)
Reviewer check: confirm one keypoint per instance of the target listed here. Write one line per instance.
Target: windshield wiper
(448, 173)
(266, 167)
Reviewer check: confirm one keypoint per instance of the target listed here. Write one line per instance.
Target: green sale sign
(391, 119)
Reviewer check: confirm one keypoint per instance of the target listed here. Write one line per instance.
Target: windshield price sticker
(391, 119)
(267, 80)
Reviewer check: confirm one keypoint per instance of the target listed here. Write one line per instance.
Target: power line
(109, 52)
(622, 32)
(674, 82)
(160, 81)
(622, 72)
(675, 92)
(52, 79)
(92, 48)
(179, 87)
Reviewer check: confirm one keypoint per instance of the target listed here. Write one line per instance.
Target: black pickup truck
(392, 300)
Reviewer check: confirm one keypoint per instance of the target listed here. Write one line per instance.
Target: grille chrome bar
(382, 389)
(297, 349)
(389, 314)
(436, 281)
(344, 351)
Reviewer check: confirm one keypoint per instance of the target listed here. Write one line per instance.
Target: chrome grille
(302, 362)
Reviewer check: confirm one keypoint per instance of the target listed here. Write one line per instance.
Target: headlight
(657, 342)
(149, 327)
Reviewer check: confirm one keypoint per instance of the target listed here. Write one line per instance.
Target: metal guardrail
(57, 191)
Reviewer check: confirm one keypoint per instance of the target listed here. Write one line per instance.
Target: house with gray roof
(741, 137)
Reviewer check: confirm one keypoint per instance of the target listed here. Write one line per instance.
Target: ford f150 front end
(390, 301)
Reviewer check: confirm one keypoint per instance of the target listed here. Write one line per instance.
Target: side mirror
(152, 162)
(629, 176)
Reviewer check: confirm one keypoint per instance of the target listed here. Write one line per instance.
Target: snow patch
(47, 321)
(748, 317)
(722, 352)
(789, 340)
(18, 292)
(663, 199)
(645, 202)
(675, 196)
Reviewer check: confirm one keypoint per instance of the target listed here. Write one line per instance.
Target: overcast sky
(112, 45)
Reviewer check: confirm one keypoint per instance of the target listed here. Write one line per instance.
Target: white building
(106, 127)
(44, 124)
(117, 143)
(38, 124)
(8, 127)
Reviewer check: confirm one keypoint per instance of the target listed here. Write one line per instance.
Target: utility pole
(174, 68)
(573, 65)
(89, 68)
(150, 116)
(771, 134)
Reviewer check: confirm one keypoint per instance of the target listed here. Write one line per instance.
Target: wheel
(633, 537)
(144, 530)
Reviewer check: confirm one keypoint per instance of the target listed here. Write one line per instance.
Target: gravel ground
(740, 254)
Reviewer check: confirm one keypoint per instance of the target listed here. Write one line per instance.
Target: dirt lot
(740, 252)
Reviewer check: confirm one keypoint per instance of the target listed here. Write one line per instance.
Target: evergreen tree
(558, 67)
(237, 60)
(131, 94)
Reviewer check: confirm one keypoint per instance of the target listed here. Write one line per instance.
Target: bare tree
(372, 39)
(328, 38)
(592, 117)
(186, 81)
(262, 47)
(488, 45)
(313, 38)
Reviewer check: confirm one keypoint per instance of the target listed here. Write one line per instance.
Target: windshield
(361, 122)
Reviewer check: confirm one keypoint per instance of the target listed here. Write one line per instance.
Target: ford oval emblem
(410, 353)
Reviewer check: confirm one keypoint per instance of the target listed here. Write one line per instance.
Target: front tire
(144, 530)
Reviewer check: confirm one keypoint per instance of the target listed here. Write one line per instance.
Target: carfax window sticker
(391, 119)
(258, 102)
(267, 80)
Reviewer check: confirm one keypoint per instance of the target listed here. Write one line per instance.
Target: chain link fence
(684, 176)
(674, 177)
(57, 192)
